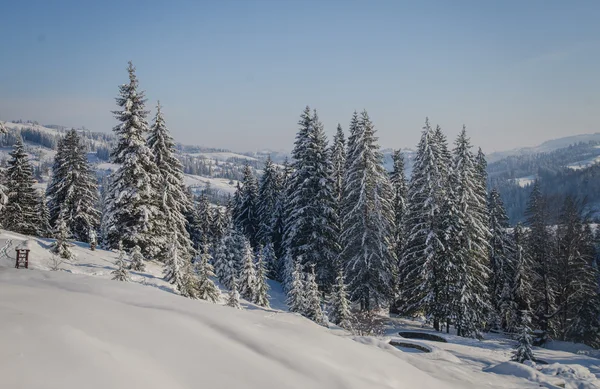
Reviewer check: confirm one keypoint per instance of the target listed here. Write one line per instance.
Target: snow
(584, 163)
(76, 328)
(222, 156)
(223, 185)
(525, 181)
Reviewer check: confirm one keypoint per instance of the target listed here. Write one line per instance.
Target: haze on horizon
(237, 74)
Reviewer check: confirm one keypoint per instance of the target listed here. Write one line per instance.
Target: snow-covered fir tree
(500, 254)
(523, 351)
(246, 213)
(368, 222)
(174, 201)
(312, 299)
(73, 189)
(311, 233)
(271, 262)
(137, 259)
(229, 257)
(62, 247)
(21, 211)
(203, 221)
(421, 272)
(261, 289)
(121, 273)
(520, 295)
(93, 239)
(134, 198)
(338, 162)
(247, 277)
(219, 227)
(399, 204)
(467, 259)
(268, 194)
(178, 271)
(543, 262)
(233, 300)
(295, 296)
(44, 229)
(279, 220)
(207, 290)
(340, 306)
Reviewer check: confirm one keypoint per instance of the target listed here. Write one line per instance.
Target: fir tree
(313, 300)
(174, 201)
(21, 212)
(523, 351)
(93, 239)
(467, 248)
(296, 301)
(338, 161)
(421, 272)
(520, 297)
(539, 249)
(61, 247)
(271, 262)
(340, 306)
(207, 290)
(73, 189)
(178, 271)
(44, 229)
(248, 273)
(229, 258)
(311, 234)
(261, 296)
(137, 259)
(234, 296)
(204, 220)
(399, 204)
(120, 273)
(268, 194)
(133, 202)
(368, 224)
(499, 253)
(247, 217)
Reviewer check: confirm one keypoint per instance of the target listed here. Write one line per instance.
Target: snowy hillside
(76, 328)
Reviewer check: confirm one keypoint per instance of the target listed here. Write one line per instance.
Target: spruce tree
(338, 161)
(520, 297)
(261, 296)
(246, 214)
(207, 290)
(174, 200)
(340, 306)
(133, 202)
(295, 300)
(93, 239)
(120, 273)
(21, 212)
(311, 234)
(500, 254)
(279, 219)
(44, 229)
(229, 258)
(399, 204)
(137, 259)
(421, 272)
(543, 263)
(268, 193)
(271, 262)
(368, 223)
(62, 247)
(247, 277)
(467, 248)
(179, 272)
(73, 189)
(523, 351)
(204, 220)
(312, 299)
(233, 300)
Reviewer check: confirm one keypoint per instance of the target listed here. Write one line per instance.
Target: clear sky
(237, 74)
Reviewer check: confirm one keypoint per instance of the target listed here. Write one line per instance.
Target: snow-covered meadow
(77, 328)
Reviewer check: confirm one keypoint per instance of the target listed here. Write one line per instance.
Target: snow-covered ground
(584, 164)
(524, 181)
(223, 185)
(76, 328)
(222, 155)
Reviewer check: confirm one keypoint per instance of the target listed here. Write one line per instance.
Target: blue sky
(237, 74)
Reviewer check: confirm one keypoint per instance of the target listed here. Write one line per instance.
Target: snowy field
(75, 328)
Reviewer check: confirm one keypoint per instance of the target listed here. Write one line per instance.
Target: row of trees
(436, 245)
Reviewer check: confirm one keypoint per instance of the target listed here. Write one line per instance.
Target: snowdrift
(61, 330)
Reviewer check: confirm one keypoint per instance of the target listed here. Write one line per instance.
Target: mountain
(545, 147)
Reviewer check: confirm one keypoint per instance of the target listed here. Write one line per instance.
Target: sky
(237, 74)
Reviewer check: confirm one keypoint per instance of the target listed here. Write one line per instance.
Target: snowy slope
(76, 328)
